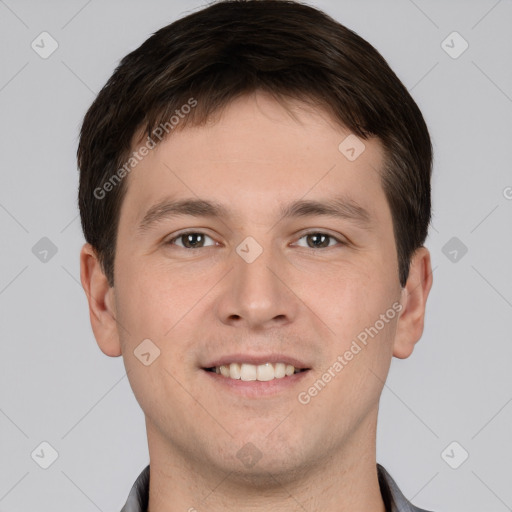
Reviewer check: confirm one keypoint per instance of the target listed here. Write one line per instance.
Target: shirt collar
(393, 498)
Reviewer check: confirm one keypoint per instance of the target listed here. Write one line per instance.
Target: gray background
(56, 385)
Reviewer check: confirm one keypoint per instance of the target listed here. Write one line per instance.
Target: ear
(101, 302)
(414, 300)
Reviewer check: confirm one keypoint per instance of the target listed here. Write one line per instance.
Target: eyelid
(179, 234)
(339, 238)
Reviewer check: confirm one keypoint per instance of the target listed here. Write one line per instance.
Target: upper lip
(257, 360)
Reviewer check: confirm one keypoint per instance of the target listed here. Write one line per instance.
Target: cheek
(151, 306)
(151, 301)
(351, 296)
(360, 308)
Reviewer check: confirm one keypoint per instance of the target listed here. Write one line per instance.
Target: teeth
(248, 371)
(234, 371)
(279, 370)
(262, 372)
(265, 372)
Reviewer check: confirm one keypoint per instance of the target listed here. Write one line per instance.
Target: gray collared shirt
(393, 498)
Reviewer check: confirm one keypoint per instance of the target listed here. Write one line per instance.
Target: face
(270, 249)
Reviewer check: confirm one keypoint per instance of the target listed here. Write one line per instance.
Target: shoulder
(393, 496)
(139, 494)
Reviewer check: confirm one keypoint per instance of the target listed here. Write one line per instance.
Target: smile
(250, 372)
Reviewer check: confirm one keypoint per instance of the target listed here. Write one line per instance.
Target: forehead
(256, 153)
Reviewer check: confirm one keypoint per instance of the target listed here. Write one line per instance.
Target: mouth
(256, 372)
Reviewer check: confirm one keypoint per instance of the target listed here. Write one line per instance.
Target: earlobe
(101, 302)
(414, 301)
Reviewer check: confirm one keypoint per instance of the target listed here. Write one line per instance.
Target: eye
(190, 240)
(319, 240)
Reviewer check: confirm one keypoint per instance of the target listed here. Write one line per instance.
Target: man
(255, 195)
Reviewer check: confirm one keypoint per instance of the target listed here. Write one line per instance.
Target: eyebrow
(338, 207)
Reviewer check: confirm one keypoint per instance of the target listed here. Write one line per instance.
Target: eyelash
(172, 240)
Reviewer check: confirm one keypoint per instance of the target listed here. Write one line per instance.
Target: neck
(344, 481)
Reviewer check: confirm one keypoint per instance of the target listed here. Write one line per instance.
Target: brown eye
(319, 240)
(190, 240)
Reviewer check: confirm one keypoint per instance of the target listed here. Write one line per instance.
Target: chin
(265, 462)
(266, 474)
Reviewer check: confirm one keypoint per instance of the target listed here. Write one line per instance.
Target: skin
(199, 304)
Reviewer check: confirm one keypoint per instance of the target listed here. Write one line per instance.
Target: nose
(256, 293)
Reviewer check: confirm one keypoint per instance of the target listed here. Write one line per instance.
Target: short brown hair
(235, 47)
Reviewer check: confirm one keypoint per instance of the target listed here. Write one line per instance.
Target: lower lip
(257, 388)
